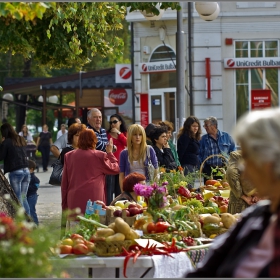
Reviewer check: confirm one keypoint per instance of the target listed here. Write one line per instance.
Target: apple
(133, 211)
(127, 213)
(132, 205)
(120, 204)
(117, 213)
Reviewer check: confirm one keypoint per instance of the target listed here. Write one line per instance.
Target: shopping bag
(56, 176)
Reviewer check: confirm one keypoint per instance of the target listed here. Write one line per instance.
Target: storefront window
(257, 78)
(163, 79)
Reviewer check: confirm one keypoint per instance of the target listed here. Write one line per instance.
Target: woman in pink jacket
(84, 172)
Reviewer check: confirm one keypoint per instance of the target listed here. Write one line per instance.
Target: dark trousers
(32, 201)
(112, 187)
(45, 150)
(207, 171)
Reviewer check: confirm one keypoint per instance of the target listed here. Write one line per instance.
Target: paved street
(49, 200)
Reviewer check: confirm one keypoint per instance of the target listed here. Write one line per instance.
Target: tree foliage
(69, 34)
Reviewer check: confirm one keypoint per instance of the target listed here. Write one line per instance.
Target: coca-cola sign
(118, 96)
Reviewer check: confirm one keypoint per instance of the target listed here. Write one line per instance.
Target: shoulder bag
(150, 166)
(56, 175)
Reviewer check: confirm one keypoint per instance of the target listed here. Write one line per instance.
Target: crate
(111, 248)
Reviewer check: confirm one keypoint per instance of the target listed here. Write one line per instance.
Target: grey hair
(89, 113)
(258, 132)
(212, 120)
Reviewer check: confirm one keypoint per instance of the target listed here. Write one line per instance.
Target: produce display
(175, 215)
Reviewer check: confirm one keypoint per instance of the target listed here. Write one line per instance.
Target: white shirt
(59, 133)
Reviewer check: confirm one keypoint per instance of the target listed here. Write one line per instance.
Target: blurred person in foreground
(84, 172)
(251, 248)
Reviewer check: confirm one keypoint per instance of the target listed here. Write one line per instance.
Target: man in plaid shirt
(215, 142)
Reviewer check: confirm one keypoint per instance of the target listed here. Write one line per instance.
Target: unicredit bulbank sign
(256, 62)
(152, 67)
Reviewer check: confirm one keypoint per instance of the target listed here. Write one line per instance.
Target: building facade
(235, 62)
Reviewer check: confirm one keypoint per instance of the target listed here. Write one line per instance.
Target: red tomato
(80, 249)
(78, 241)
(161, 227)
(151, 227)
(75, 236)
(65, 249)
(91, 246)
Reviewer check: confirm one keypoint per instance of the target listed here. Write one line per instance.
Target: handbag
(56, 175)
(150, 166)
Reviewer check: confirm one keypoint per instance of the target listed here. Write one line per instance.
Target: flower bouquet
(155, 197)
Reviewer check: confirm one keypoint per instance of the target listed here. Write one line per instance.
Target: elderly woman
(128, 184)
(251, 248)
(242, 193)
(84, 172)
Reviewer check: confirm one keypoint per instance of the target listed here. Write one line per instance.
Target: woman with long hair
(26, 134)
(118, 132)
(188, 144)
(13, 153)
(84, 172)
(137, 155)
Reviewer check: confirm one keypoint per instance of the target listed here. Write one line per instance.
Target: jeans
(32, 201)
(19, 181)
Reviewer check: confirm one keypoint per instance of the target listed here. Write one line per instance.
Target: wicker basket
(202, 165)
(110, 248)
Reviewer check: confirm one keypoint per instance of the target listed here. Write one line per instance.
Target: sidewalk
(49, 200)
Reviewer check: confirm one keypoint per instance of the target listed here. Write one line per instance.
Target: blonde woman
(136, 157)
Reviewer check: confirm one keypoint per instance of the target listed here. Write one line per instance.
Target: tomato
(151, 227)
(161, 227)
(65, 249)
(91, 246)
(223, 208)
(80, 249)
(67, 241)
(75, 236)
(78, 241)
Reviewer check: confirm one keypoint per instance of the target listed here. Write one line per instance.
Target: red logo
(118, 96)
(125, 73)
(230, 63)
(144, 67)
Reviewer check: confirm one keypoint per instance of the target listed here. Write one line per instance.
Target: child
(32, 195)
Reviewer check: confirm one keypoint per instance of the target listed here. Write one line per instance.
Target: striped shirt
(101, 138)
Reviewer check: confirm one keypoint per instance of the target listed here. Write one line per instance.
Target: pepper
(184, 192)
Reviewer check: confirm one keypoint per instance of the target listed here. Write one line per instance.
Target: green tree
(68, 34)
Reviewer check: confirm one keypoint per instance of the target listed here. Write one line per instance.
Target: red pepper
(161, 227)
(184, 192)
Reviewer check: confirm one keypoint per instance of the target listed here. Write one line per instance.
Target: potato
(104, 232)
(116, 237)
(122, 226)
(131, 235)
(211, 220)
(112, 226)
(228, 220)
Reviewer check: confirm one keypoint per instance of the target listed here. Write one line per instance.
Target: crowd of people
(105, 165)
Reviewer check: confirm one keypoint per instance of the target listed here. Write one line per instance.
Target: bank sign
(256, 62)
(155, 67)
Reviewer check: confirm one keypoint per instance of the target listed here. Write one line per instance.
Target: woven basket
(110, 248)
(202, 165)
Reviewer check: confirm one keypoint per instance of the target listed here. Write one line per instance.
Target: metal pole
(180, 70)
(190, 56)
(132, 70)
